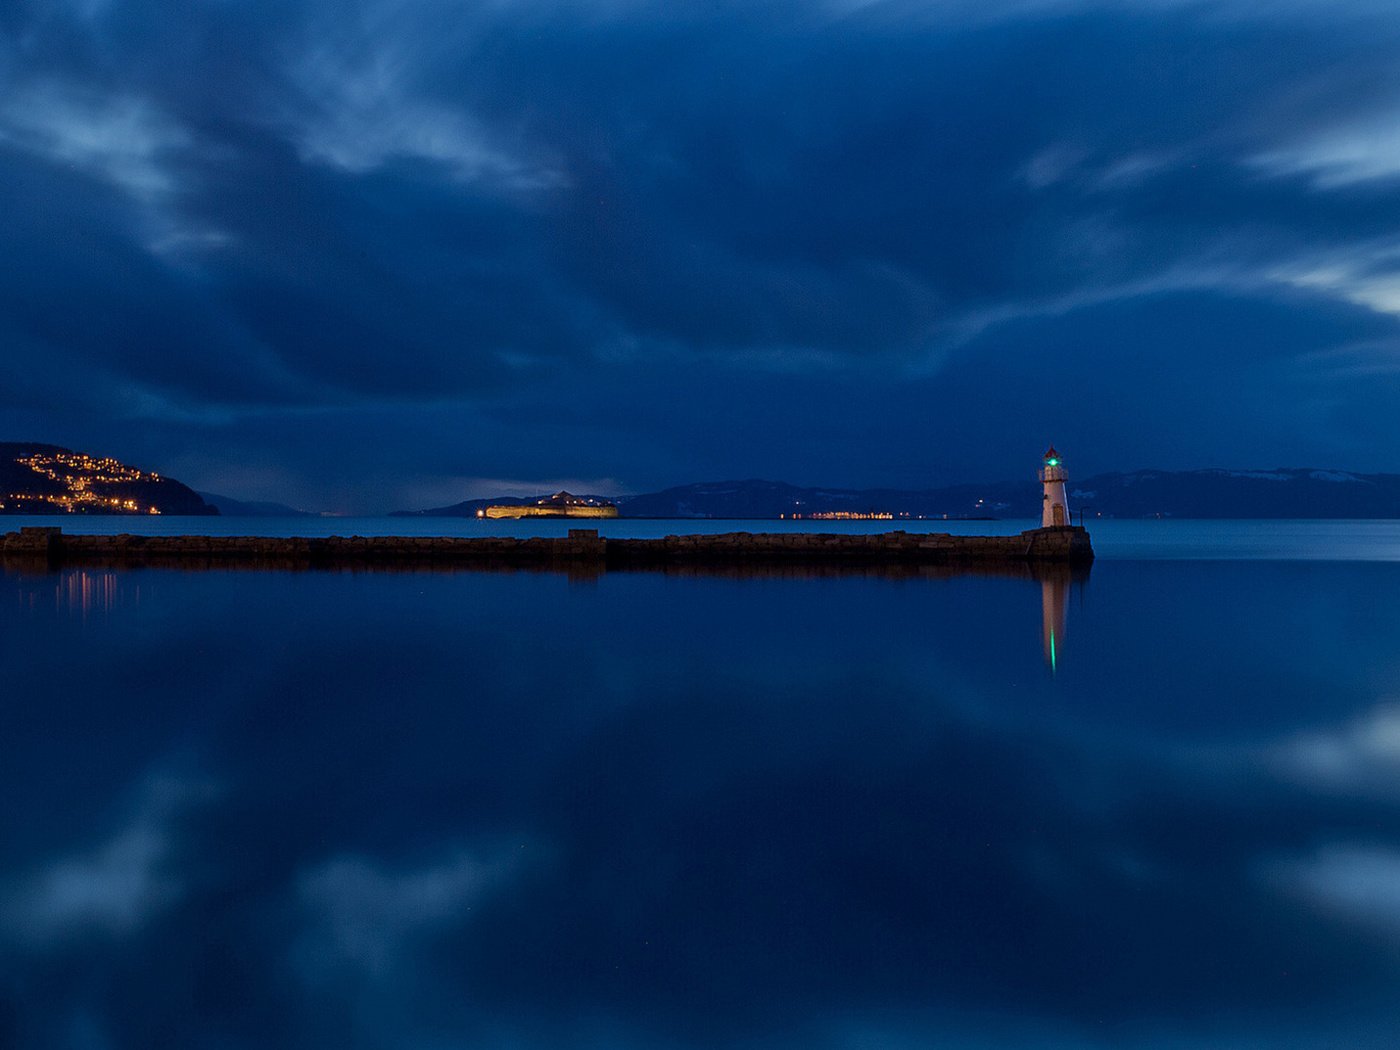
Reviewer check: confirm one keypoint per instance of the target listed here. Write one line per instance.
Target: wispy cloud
(1367, 275)
(1361, 151)
(125, 140)
(361, 103)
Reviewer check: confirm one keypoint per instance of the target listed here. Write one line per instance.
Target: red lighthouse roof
(1050, 453)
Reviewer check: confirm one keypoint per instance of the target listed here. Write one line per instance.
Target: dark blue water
(339, 809)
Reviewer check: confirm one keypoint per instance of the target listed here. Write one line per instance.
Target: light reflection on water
(85, 591)
(79, 592)
(1054, 615)
(372, 809)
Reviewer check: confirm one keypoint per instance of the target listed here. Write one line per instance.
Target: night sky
(361, 255)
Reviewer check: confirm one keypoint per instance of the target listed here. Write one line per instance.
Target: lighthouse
(1054, 508)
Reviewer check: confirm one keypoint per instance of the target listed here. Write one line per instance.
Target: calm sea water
(1156, 807)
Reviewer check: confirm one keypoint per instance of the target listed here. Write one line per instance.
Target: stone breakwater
(581, 546)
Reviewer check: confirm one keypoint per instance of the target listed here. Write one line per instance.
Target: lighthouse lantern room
(1054, 508)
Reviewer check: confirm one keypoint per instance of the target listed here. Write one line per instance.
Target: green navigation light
(1052, 462)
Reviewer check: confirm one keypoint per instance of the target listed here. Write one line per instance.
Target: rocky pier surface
(1069, 545)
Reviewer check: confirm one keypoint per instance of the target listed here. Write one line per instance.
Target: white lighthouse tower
(1054, 508)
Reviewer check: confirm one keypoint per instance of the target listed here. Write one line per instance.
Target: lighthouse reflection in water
(1054, 610)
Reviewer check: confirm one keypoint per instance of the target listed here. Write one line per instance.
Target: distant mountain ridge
(1217, 493)
(1209, 493)
(49, 479)
(229, 507)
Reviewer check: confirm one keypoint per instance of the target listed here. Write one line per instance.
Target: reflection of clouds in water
(364, 917)
(1363, 754)
(1354, 881)
(1360, 882)
(113, 888)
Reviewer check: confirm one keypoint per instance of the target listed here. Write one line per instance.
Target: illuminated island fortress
(559, 505)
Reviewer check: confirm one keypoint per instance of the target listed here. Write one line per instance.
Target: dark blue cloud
(411, 218)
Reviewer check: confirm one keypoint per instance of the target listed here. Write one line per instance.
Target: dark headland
(1065, 544)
